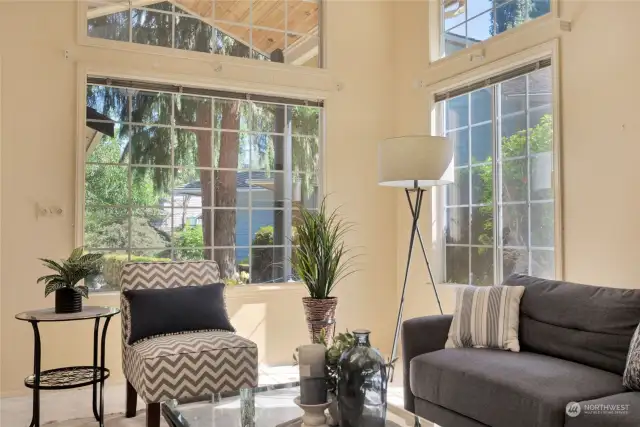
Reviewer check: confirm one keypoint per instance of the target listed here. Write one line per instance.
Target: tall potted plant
(66, 280)
(321, 261)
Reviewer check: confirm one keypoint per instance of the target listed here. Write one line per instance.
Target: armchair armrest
(419, 336)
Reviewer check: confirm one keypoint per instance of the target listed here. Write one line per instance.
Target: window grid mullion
(174, 16)
(495, 146)
(195, 128)
(130, 172)
(527, 143)
(441, 109)
(130, 24)
(288, 198)
(443, 35)
(466, 30)
(214, 32)
(174, 141)
(212, 191)
(464, 245)
(498, 117)
(251, 248)
(469, 151)
(286, 25)
(251, 29)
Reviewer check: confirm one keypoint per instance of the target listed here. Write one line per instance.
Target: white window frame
(85, 40)
(545, 50)
(0, 154)
(85, 70)
(436, 23)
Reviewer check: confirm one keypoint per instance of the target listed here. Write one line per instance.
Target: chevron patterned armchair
(180, 366)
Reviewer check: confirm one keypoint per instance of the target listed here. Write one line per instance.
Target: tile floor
(76, 404)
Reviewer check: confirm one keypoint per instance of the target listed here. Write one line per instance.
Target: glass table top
(50, 315)
(271, 405)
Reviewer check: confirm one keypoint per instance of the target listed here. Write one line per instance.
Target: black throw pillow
(170, 311)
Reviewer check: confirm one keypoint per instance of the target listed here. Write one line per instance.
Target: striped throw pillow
(486, 317)
(631, 378)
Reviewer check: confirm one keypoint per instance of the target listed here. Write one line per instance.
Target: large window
(285, 31)
(500, 211)
(467, 22)
(177, 173)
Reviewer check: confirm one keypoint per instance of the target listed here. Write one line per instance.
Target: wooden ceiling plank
(268, 40)
(302, 16)
(269, 13)
(233, 11)
(194, 10)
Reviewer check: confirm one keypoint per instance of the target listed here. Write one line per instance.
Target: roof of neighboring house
(243, 181)
(105, 126)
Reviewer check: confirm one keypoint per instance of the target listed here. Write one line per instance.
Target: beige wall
(39, 122)
(599, 133)
(377, 51)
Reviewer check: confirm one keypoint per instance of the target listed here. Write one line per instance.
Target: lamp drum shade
(415, 161)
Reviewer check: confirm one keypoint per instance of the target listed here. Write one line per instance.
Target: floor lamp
(414, 163)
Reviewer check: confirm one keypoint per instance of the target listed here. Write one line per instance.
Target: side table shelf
(68, 377)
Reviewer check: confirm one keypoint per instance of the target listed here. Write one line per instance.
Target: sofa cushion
(598, 412)
(505, 389)
(587, 324)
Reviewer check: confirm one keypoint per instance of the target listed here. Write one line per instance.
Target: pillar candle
(313, 387)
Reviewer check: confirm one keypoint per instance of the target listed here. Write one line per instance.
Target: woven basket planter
(320, 314)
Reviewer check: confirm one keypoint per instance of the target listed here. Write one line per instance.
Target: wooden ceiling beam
(302, 51)
(112, 7)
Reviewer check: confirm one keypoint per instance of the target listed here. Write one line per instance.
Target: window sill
(454, 286)
(316, 81)
(450, 285)
(239, 291)
(236, 291)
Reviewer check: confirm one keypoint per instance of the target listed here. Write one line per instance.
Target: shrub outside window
(500, 212)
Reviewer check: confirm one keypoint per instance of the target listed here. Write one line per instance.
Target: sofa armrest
(419, 336)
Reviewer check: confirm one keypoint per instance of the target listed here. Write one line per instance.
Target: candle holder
(314, 415)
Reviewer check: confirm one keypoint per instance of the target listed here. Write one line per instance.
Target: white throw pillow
(486, 317)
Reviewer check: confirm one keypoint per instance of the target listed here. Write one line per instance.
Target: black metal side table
(70, 376)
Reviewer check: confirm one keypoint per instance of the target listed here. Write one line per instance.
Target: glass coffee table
(264, 406)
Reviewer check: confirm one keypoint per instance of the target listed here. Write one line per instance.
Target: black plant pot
(68, 301)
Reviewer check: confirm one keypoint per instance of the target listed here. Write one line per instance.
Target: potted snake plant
(66, 280)
(321, 261)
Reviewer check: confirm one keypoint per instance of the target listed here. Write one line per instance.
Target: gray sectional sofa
(574, 341)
